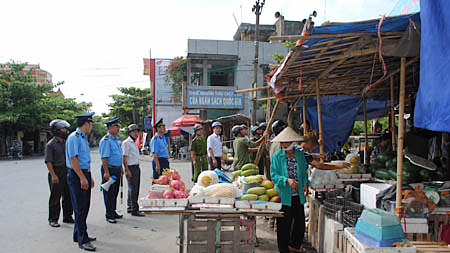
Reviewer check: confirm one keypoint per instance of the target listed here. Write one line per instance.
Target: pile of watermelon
(176, 190)
(384, 166)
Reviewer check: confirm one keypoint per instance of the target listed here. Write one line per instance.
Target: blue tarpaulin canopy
(342, 60)
(432, 110)
(339, 114)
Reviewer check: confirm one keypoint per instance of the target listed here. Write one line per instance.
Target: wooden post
(366, 139)
(269, 126)
(269, 104)
(319, 115)
(394, 141)
(401, 129)
(305, 131)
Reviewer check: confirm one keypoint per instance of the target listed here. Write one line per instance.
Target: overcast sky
(96, 46)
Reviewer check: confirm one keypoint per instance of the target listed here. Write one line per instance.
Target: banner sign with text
(213, 97)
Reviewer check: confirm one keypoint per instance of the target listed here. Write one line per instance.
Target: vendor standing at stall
(160, 150)
(288, 171)
(311, 142)
(214, 147)
(242, 147)
(383, 146)
(198, 152)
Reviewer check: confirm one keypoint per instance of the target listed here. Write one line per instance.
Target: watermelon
(382, 174)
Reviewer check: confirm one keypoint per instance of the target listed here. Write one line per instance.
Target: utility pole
(257, 9)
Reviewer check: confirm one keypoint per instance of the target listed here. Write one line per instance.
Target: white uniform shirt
(215, 144)
(131, 151)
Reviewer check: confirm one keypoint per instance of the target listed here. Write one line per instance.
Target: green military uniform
(241, 153)
(199, 147)
(263, 162)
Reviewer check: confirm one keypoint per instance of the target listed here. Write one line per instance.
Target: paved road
(24, 213)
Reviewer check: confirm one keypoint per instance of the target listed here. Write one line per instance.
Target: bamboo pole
(269, 126)
(305, 131)
(366, 139)
(391, 83)
(319, 115)
(269, 105)
(401, 129)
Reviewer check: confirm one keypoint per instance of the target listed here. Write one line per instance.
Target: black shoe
(137, 213)
(54, 224)
(88, 246)
(90, 239)
(129, 211)
(111, 220)
(117, 216)
(69, 220)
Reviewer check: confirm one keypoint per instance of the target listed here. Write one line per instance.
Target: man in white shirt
(132, 170)
(214, 147)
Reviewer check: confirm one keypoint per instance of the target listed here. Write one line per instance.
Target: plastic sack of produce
(320, 178)
(352, 158)
(197, 190)
(207, 178)
(222, 190)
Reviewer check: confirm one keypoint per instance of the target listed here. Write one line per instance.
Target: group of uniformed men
(68, 161)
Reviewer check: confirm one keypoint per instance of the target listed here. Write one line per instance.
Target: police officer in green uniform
(198, 152)
(242, 147)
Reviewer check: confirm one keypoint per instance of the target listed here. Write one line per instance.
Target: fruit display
(254, 179)
(249, 166)
(168, 186)
(249, 172)
(265, 192)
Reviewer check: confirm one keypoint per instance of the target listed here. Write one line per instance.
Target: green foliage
(358, 127)
(131, 99)
(98, 126)
(28, 105)
(177, 76)
(279, 57)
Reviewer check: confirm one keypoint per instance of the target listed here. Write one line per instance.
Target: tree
(28, 106)
(132, 105)
(177, 76)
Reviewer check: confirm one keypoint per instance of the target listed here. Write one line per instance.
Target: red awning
(186, 121)
(174, 131)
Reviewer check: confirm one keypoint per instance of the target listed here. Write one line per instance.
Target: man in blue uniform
(111, 155)
(160, 150)
(78, 160)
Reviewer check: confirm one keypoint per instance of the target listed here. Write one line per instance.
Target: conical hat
(287, 135)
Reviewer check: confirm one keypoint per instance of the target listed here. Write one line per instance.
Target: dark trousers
(57, 192)
(133, 188)
(81, 201)
(163, 164)
(219, 163)
(110, 196)
(288, 233)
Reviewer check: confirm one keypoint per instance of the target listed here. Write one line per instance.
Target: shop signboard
(213, 97)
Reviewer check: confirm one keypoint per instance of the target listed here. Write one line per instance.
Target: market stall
(218, 213)
(375, 60)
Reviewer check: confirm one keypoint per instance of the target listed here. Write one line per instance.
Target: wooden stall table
(215, 230)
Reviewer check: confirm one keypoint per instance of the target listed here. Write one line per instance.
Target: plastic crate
(351, 213)
(342, 210)
(379, 233)
(379, 217)
(363, 238)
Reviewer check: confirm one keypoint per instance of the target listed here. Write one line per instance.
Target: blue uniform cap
(113, 122)
(158, 123)
(217, 123)
(87, 117)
